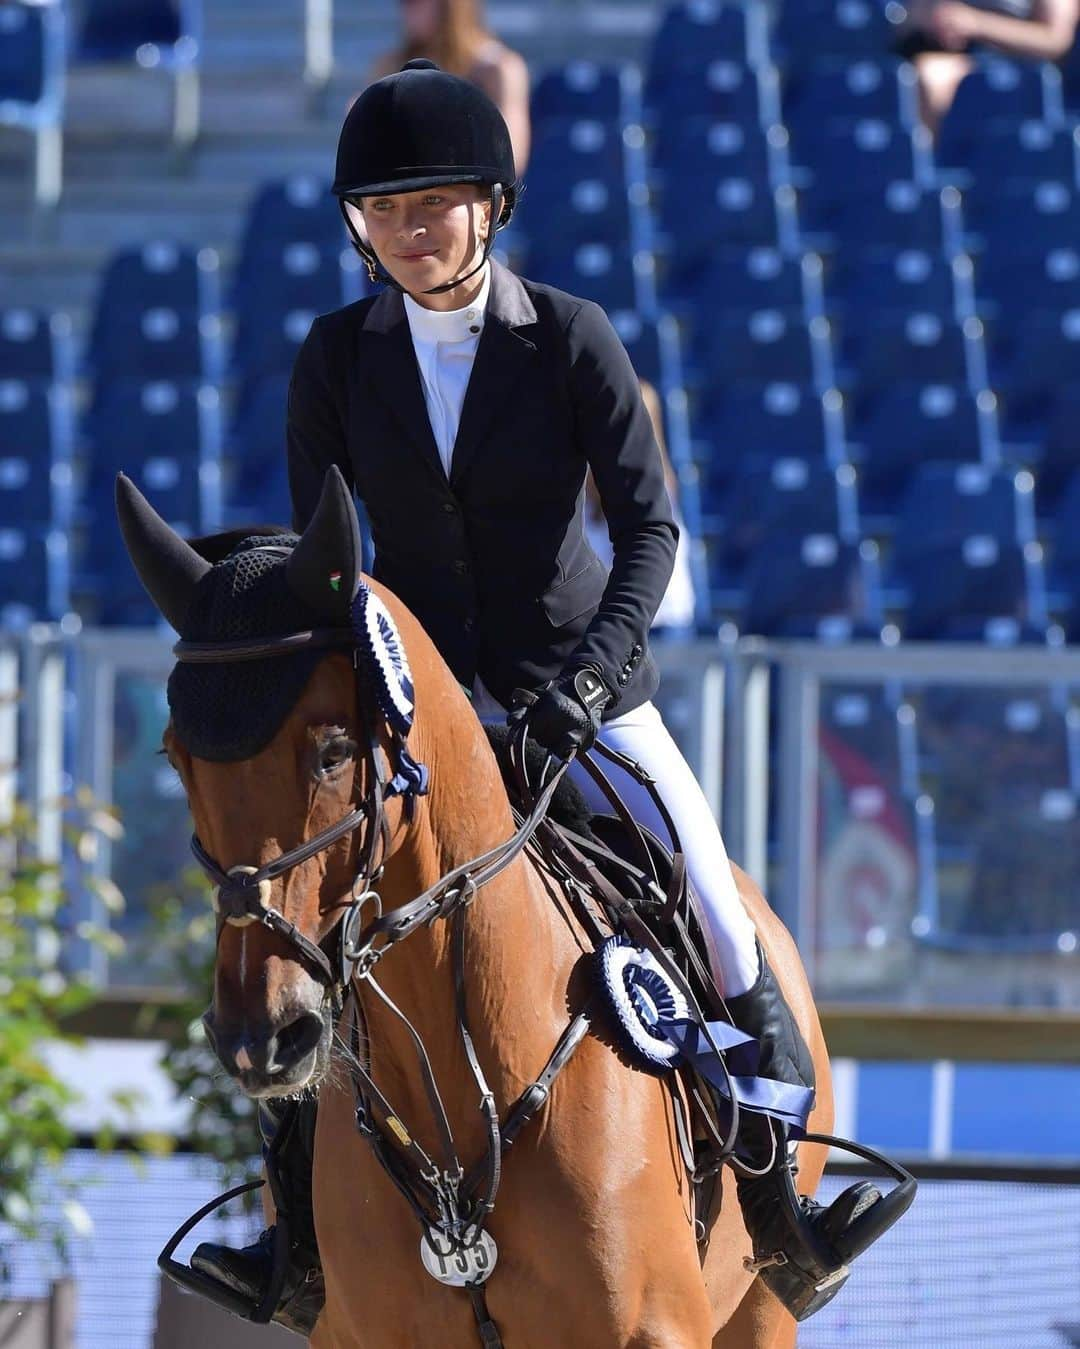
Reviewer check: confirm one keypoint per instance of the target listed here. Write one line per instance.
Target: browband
(207, 653)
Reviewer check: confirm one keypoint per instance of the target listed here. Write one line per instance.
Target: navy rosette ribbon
(660, 1034)
(379, 644)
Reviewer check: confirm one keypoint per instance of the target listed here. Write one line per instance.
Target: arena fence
(978, 1263)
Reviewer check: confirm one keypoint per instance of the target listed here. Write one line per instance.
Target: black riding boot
(288, 1131)
(802, 1249)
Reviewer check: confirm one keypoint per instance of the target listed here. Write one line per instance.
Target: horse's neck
(517, 959)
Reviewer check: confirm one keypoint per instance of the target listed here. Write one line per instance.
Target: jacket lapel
(502, 356)
(389, 363)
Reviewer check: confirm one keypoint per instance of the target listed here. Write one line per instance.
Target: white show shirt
(445, 344)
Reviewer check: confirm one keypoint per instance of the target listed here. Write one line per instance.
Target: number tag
(458, 1266)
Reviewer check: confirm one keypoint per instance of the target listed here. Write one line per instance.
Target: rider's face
(427, 238)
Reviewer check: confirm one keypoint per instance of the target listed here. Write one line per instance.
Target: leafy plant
(36, 995)
(222, 1124)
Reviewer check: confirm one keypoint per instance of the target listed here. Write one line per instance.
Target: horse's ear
(168, 568)
(324, 567)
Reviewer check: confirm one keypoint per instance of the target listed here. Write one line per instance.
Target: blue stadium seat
(644, 344)
(1022, 219)
(847, 157)
(766, 346)
(1010, 286)
(259, 488)
(740, 282)
(34, 577)
(879, 346)
(613, 277)
(35, 345)
(988, 748)
(709, 147)
(911, 279)
(848, 91)
(22, 53)
(1031, 359)
(896, 215)
(35, 456)
(157, 343)
(781, 420)
(166, 436)
(814, 31)
(156, 315)
(726, 91)
(32, 61)
(689, 39)
(997, 91)
(770, 498)
(873, 725)
(896, 429)
(814, 586)
(975, 589)
(161, 273)
(115, 30)
(577, 187)
(946, 503)
(272, 348)
(296, 276)
(296, 210)
(1065, 556)
(1057, 456)
(744, 279)
(728, 212)
(576, 90)
(1028, 151)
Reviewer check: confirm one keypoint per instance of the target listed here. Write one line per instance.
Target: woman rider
(464, 405)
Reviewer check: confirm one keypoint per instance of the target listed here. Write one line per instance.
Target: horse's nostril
(294, 1042)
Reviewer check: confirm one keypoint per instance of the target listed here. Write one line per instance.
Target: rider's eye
(334, 754)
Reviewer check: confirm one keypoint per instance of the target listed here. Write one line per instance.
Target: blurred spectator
(453, 34)
(676, 612)
(942, 37)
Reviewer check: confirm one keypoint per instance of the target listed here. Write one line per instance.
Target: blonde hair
(461, 34)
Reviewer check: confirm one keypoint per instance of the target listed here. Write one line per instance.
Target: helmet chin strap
(378, 275)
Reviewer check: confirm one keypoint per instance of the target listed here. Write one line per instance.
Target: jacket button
(450, 507)
(461, 567)
(469, 624)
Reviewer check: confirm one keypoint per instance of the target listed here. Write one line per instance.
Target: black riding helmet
(422, 128)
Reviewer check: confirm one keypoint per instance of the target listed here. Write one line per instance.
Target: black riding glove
(565, 715)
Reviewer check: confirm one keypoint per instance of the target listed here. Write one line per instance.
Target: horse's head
(270, 742)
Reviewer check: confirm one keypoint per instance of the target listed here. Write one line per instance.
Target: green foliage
(223, 1124)
(36, 995)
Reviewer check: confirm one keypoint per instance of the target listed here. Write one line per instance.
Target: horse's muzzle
(273, 1061)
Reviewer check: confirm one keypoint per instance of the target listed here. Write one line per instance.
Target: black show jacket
(494, 561)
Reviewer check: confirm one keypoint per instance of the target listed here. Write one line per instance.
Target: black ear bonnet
(232, 710)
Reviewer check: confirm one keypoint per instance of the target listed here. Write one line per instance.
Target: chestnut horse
(595, 1222)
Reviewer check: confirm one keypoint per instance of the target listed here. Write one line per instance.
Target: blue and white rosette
(660, 1034)
(377, 637)
(643, 998)
(379, 642)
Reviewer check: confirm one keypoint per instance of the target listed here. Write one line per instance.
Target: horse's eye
(334, 754)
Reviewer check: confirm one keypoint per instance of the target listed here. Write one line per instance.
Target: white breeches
(642, 736)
